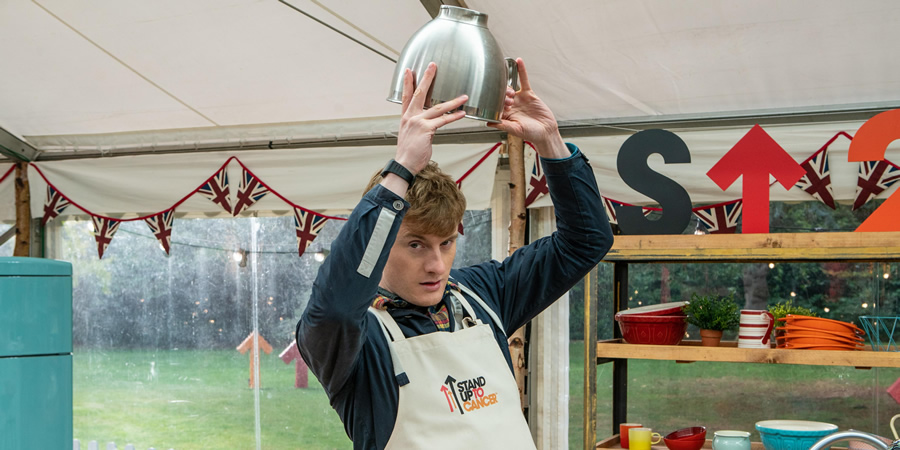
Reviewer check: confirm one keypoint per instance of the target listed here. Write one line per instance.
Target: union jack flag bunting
(537, 182)
(611, 205)
(104, 229)
(721, 218)
(161, 226)
(216, 189)
(308, 225)
(54, 204)
(817, 181)
(250, 191)
(874, 178)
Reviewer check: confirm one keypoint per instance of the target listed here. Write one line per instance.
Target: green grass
(200, 399)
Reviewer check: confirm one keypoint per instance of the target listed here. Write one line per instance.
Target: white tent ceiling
(101, 78)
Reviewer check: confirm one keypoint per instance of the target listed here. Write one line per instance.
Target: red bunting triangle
(54, 204)
(308, 225)
(536, 187)
(104, 229)
(161, 226)
(216, 189)
(817, 180)
(874, 178)
(250, 191)
(721, 218)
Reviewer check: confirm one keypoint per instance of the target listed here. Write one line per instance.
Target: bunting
(104, 229)
(161, 227)
(721, 218)
(308, 225)
(610, 206)
(54, 205)
(817, 181)
(216, 189)
(537, 183)
(250, 191)
(874, 178)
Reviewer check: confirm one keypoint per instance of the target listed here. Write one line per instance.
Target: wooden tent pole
(516, 148)
(23, 211)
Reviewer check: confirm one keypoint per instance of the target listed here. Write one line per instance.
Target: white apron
(456, 390)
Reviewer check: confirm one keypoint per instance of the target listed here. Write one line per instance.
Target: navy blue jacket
(344, 345)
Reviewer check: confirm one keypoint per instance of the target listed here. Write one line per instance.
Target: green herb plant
(782, 309)
(713, 312)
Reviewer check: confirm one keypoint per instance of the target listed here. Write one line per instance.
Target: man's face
(419, 265)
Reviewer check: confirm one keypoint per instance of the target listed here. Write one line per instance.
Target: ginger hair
(436, 203)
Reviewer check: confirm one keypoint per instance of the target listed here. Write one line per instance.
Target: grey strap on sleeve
(376, 242)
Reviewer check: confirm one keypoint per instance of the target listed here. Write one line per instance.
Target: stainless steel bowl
(468, 59)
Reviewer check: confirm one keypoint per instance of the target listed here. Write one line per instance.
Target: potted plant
(782, 309)
(713, 314)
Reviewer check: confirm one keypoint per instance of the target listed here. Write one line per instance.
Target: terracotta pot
(710, 338)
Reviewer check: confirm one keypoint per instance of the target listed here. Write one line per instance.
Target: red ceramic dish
(690, 433)
(686, 443)
(655, 330)
(662, 309)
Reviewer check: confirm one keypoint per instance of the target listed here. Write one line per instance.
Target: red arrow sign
(754, 157)
(247, 344)
(301, 373)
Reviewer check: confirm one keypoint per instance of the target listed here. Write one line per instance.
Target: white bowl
(660, 309)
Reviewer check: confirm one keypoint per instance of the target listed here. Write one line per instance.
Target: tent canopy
(168, 79)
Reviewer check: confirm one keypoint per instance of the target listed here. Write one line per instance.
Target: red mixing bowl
(655, 330)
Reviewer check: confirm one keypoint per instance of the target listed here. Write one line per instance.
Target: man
(411, 353)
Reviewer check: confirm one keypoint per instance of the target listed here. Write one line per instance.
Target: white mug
(755, 328)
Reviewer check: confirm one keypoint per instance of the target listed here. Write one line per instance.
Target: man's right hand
(418, 125)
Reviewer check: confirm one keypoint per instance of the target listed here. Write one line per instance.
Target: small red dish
(691, 438)
(689, 433)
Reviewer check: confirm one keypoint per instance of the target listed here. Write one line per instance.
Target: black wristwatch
(397, 169)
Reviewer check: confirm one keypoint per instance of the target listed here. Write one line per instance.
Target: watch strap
(397, 169)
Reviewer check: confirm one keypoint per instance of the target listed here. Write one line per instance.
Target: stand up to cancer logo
(467, 395)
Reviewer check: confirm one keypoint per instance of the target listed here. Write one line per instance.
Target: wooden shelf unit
(720, 248)
(692, 351)
(756, 247)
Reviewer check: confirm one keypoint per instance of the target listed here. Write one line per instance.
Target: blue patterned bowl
(792, 434)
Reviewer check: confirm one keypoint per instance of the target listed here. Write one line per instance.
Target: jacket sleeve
(533, 277)
(332, 329)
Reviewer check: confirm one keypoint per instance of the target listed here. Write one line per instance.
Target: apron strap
(481, 302)
(389, 328)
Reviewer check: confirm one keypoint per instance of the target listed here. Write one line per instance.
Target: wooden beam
(23, 211)
(517, 215)
(16, 148)
(847, 246)
(589, 419)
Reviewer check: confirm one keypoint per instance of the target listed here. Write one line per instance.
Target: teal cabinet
(35, 354)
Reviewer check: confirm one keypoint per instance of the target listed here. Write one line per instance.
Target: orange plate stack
(816, 333)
